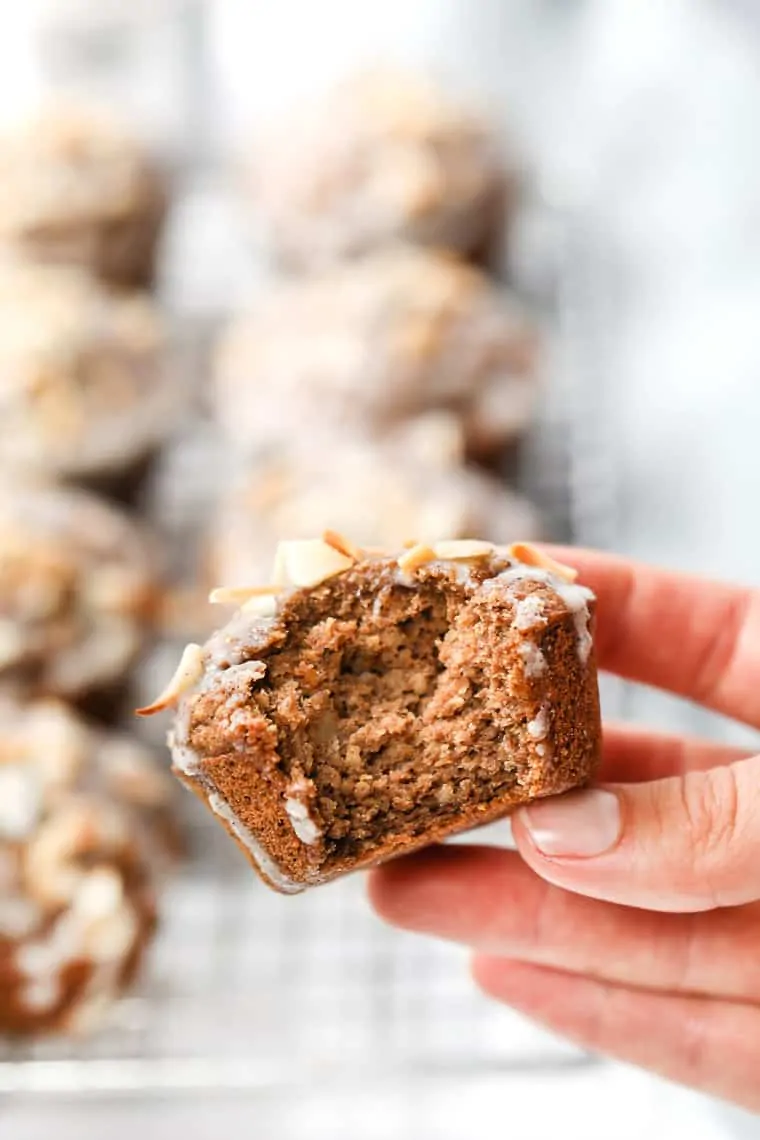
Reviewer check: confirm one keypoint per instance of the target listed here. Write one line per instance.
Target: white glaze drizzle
(302, 823)
(538, 728)
(533, 659)
(20, 801)
(529, 613)
(576, 598)
(41, 994)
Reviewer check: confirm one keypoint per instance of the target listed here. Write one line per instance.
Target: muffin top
(361, 347)
(68, 165)
(77, 582)
(49, 753)
(381, 496)
(76, 867)
(84, 383)
(384, 155)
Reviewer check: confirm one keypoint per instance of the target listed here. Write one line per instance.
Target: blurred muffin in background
(77, 587)
(77, 871)
(366, 345)
(76, 188)
(376, 497)
(85, 386)
(383, 156)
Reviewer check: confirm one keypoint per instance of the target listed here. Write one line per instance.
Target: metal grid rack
(250, 990)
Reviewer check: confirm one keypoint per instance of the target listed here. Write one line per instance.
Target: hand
(630, 919)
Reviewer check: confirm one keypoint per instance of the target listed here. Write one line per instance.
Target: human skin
(628, 920)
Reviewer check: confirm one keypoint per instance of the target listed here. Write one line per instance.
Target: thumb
(688, 843)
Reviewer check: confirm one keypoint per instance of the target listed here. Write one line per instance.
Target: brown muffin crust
(387, 703)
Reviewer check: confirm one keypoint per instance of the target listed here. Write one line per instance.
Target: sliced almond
(532, 556)
(239, 595)
(417, 556)
(463, 549)
(342, 545)
(309, 562)
(189, 670)
(279, 570)
(264, 605)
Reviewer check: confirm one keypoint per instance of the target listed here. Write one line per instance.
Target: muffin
(76, 188)
(384, 156)
(85, 390)
(77, 870)
(365, 346)
(381, 496)
(366, 705)
(77, 587)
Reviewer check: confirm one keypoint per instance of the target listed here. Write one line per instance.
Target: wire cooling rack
(250, 990)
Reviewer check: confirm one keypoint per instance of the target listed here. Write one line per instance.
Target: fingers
(699, 639)
(685, 843)
(636, 755)
(491, 901)
(710, 1045)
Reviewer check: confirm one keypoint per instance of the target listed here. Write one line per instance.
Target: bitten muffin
(384, 156)
(77, 188)
(77, 871)
(364, 347)
(77, 589)
(368, 705)
(85, 391)
(380, 496)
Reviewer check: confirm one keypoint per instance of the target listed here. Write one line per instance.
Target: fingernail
(580, 823)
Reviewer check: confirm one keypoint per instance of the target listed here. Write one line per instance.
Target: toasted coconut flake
(342, 545)
(239, 595)
(417, 556)
(189, 670)
(309, 561)
(463, 549)
(532, 556)
(409, 543)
